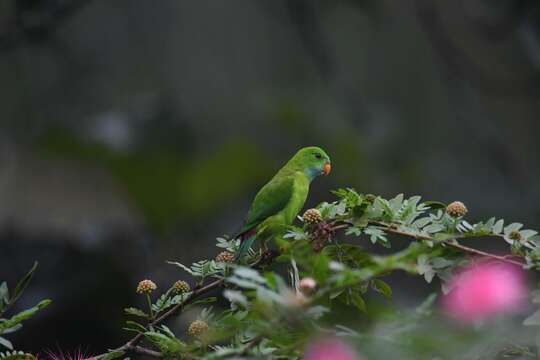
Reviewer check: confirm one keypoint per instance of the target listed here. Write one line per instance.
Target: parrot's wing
(270, 200)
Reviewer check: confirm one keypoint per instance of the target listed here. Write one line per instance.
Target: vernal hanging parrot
(278, 203)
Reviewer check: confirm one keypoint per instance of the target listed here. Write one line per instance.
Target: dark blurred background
(134, 132)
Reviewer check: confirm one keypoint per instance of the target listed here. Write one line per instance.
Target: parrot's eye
(318, 156)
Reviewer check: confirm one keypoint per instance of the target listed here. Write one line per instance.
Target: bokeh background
(134, 132)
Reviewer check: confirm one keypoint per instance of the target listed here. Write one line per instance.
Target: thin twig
(145, 351)
(451, 242)
(482, 253)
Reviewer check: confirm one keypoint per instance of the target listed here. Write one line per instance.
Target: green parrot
(278, 203)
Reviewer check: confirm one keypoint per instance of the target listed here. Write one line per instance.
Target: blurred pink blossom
(307, 284)
(329, 349)
(485, 290)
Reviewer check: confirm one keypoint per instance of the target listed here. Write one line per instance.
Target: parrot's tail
(246, 241)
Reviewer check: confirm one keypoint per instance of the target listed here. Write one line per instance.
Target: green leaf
(135, 312)
(297, 234)
(6, 343)
(13, 329)
(235, 297)
(207, 300)
(168, 345)
(321, 269)
(425, 307)
(335, 294)
(23, 283)
(420, 223)
(396, 203)
(533, 320)
(385, 206)
(23, 315)
(382, 287)
(526, 234)
(440, 263)
(249, 274)
(4, 296)
(375, 234)
(134, 326)
(167, 331)
(409, 211)
(355, 230)
(433, 228)
(425, 268)
(498, 227)
(434, 204)
(317, 311)
(512, 227)
(359, 302)
(114, 354)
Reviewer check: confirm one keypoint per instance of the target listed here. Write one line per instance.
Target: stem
(145, 351)
(483, 253)
(150, 306)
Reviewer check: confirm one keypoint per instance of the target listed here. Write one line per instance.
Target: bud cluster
(197, 328)
(180, 287)
(456, 209)
(225, 257)
(312, 216)
(146, 287)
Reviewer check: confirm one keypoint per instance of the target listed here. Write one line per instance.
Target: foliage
(156, 177)
(14, 322)
(272, 314)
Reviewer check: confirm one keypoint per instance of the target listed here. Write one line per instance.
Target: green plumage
(278, 203)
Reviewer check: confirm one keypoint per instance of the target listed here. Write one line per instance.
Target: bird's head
(313, 161)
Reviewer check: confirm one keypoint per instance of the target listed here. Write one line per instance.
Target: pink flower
(329, 349)
(60, 355)
(307, 285)
(485, 290)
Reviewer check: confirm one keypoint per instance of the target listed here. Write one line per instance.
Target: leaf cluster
(14, 323)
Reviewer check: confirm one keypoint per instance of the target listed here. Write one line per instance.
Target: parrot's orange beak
(327, 168)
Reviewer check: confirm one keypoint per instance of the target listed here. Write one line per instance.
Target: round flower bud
(307, 285)
(312, 216)
(180, 287)
(146, 287)
(456, 209)
(197, 328)
(225, 257)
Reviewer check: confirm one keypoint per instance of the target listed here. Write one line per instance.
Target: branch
(472, 251)
(451, 242)
(330, 228)
(145, 351)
